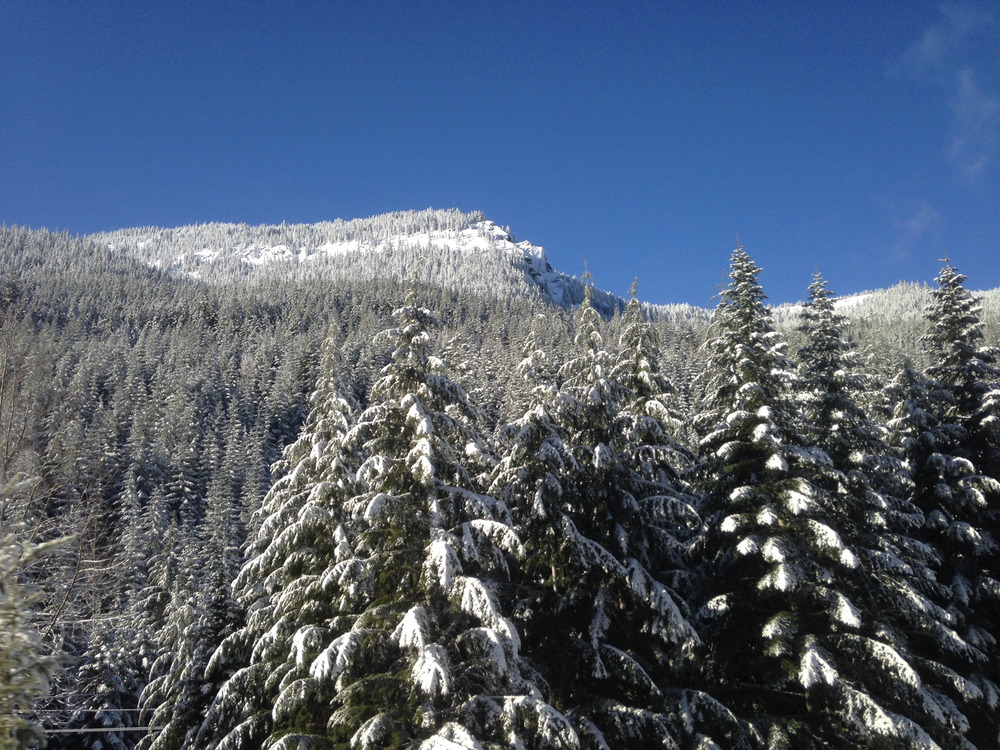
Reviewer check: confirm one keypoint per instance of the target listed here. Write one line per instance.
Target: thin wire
(85, 710)
(106, 729)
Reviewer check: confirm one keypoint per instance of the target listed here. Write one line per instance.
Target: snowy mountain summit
(446, 248)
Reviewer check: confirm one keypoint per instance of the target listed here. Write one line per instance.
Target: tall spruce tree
(785, 645)
(863, 464)
(870, 498)
(299, 529)
(109, 686)
(946, 422)
(202, 617)
(373, 618)
(651, 419)
(970, 371)
(597, 533)
(121, 645)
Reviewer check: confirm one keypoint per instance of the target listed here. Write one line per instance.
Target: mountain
(158, 385)
(445, 248)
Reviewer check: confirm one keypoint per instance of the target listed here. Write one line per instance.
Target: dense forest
(414, 497)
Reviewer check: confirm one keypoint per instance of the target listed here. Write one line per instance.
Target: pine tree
(869, 496)
(784, 640)
(120, 644)
(533, 369)
(109, 684)
(24, 667)
(385, 627)
(650, 421)
(863, 465)
(946, 423)
(299, 535)
(202, 616)
(969, 370)
(593, 528)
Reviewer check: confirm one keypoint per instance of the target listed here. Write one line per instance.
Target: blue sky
(860, 139)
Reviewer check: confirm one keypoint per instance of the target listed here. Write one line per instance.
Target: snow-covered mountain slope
(793, 311)
(446, 248)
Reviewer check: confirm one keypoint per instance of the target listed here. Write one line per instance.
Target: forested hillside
(426, 491)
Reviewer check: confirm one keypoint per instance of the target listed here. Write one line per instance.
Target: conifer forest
(403, 493)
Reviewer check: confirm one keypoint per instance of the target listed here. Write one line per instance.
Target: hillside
(447, 249)
(267, 440)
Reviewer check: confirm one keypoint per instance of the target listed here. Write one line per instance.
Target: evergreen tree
(109, 685)
(865, 469)
(25, 670)
(202, 617)
(786, 647)
(533, 369)
(969, 371)
(830, 415)
(120, 644)
(593, 527)
(870, 501)
(946, 423)
(298, 532)
(383, 628)
(650, 422)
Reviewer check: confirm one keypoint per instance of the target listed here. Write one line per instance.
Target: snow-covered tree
(946, 422)
(595, 529)
(25, 669)
(202, 616)
(870, 499)
(862, 464)
(650, 423)
(786, 645)
(534, 368)
(969, 370)
(373, 618)
(298, 531)
(109, 685)
(121, 645)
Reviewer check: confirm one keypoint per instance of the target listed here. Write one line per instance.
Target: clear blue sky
(860, 139)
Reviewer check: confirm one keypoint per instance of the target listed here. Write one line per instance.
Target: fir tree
(869, 497)
(784, 640)
(969, 370)
(25, 669)
(865, 469)
(593, 527)
(390, 632)
(650, 422)
(121, 647)
(203, 616)
(946, 423)
(299, 536)
(110, 684)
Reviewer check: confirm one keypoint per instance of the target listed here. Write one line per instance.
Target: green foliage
(409, 580)
(25, 669)
(795, 580)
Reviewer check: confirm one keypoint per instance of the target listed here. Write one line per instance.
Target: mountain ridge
(393, 245)
(454, 249)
